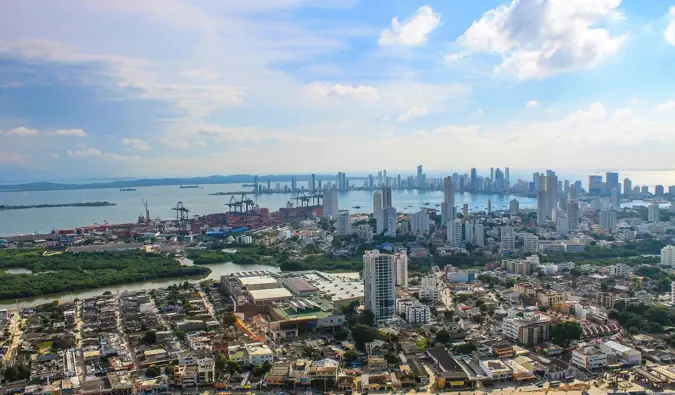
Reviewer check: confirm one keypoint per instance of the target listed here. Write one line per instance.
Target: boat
(356, 207)
(190, 187)
(127, 189)
(437, 205)
(427, 204)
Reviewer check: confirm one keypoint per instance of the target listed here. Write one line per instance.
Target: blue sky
(172, 88)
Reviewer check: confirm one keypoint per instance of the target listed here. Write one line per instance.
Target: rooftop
(257, 280)
(272, 293)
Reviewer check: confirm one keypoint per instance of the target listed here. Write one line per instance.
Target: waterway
(162, 199)
(217, 270)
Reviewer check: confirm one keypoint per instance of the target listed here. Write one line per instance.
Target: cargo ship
(190, 187)
(127, 189)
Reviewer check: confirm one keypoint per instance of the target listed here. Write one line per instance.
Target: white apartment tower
(378, 285)
(468, 232)
(448, 205)
(390, 221)
(419, 222)
(479, 235)
(401, 268)
(531, 243)
(562, 225)
(668, 256)
(654, 212)
(454, 233)
(330, 204)
(608, 221)
(541, 208)
(344, 224)
(508, 239)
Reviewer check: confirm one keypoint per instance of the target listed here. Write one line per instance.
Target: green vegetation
(563, 333)
(596, 253)
(639, 317)
(76, 272)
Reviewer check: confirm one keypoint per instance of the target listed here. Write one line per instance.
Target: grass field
(44, 347)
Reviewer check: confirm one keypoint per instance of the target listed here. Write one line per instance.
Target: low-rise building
(589, 358)
(625, 353)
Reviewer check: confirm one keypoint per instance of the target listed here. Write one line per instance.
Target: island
(29, 206)
(68, 272)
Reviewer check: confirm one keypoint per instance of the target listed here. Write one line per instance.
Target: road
(17, 335)
(80, 368)
(122, 332)
(208, 304)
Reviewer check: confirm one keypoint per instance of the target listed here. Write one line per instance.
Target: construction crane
(182, 214)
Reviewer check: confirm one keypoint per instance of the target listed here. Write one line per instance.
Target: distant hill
(153, 182)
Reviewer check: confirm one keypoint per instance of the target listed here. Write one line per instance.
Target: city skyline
(279, 85)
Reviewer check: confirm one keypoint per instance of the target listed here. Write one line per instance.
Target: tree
(613, 314)
(362, 334)
(463, 348)
(443, 336)
(341, 335)
(351, 356)
(181, 335)
(221, 362)
(543, 309)
(11, 373)
(620, 305)
(233, 367)
(658, 314)
(520, 314)
(367, 318)
(150, 337)
(153, 371)
(563, 333)
(229, 319)
(261, 370)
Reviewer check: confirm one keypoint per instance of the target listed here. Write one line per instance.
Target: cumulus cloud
(669, 33)
(22, 131)
(361, 92)
(68, 132)
(136, 143)
(93, 152)
(183, 144)
(667, 106)
(413, 112)
(539, 38)
(413, 31)
(532, 104)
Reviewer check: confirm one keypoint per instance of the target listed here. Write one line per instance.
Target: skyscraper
(330, 204)
(507, 175)
(419, 222)
(658, 190)
(312, 183)
(379, 285)
(479, 235)
(401, 268)
(616, 201)
(420, 177)
(612, 182)
(370, 182)
(489, 206)
(492, 173)
(377, 212)
(389, 214)
(386, 197)
(551, 191)
(514, 206)
(541, 208)
(654, 212)
(595, 185)
(474, 180)
(454, 233)
(573, 216)
(344, 223)
(447, 207)
(627, 186)
(608, 220)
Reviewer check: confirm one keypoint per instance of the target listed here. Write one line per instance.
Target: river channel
(217, 270)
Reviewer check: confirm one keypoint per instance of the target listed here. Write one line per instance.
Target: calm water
(163, 199)
(217, 270)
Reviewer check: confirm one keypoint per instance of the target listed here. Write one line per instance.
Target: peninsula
(29, 206)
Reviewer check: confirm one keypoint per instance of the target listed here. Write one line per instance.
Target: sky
(131, 88)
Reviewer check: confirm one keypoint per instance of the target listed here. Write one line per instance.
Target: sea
(162, 199)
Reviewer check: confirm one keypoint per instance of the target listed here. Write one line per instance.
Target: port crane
(242, 205)
(182, 214)
(304, 200)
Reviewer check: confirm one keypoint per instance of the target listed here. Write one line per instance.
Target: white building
(495, 369)
(668, 256)
(390, 221)
(508, 239)
(454, 233)
(401, 268)
(654, 212)
(429, 289)
(531, 243)
(625, 353)
(378, 284)
(344, 223)
(514, 206)
(562, 225)
(419, 223)
(418, 313)
(364, 232)
(608, 221)
(258, 353)
(479, 235)
(330, 204)
(619, 270)
(468, 232)
(566, 265)
(589, 358)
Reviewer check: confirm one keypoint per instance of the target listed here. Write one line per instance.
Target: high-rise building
(378, 212)
(508, 239)
(419, 222)
(541, 208)
(654, 212)
(344, 224)
(492, 173)
(612, 182)
(420, 177)
(454, 233)
(371, 184)
(379, 285)
(294, 185)
(312, 183)
(668, 256)
(608, 220)
(530, 243)
(448, 200)
(389, 221)
(615, 200)
(595, 185)
(514, 206)
(468, 232)
(489, 206)
(479, 235)
(330, 204)
(671, 190)
(645, 190)
(536, 181)
(658, 190)
(507, 175)
(562, 225)
(401, 268)
(573, 216)
(465, 210)
(380, 181)
(566, 187)
(474, 179)
(386, 196)
(627, 186)
(551, 191)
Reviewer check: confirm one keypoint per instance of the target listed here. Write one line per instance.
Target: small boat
(127, 189)
(437, 205)
(427, 204)
(356, 207)
(190, 187)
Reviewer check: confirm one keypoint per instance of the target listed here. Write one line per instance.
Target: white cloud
(136, 143)
(413, 31)
(413, 112)
(549, 110)
(539, 38)
(361, 92)
(532, 104)
(667, 106)
(478, 113)
(201, 74)
(634, 101)
(54, 155)
(669, 33)
(83, 153)
(183, 144)
(22, 131)
(68, 132)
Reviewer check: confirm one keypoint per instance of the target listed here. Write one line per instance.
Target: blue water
(163, 199)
